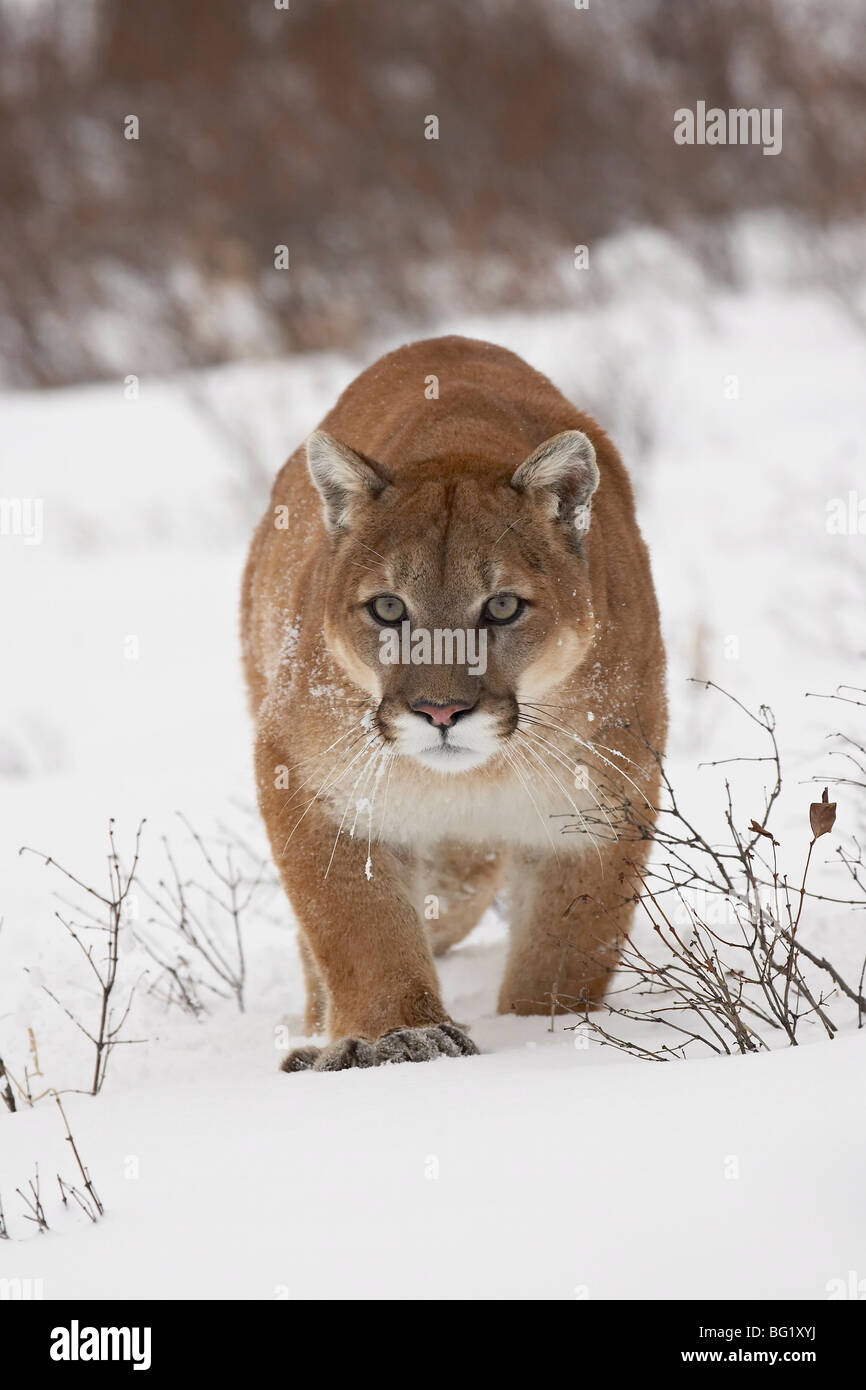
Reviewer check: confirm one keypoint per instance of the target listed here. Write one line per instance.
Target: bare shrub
(107, 920)
(196, 934)
(87, 1200)
(33, 1203)
(729, 970)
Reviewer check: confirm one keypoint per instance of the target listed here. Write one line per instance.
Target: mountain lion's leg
(568, 924)
(317, 995)
(452, 889)
(365, 936)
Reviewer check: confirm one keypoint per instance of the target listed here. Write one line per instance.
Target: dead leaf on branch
(762, 830)
(822, 815)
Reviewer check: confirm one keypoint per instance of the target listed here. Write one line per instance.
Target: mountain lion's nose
(441, 714)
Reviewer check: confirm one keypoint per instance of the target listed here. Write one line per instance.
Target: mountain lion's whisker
(511, 759)
(324, 788)
(527, 722)
(382, 762)
(391, 761)
(504, 533)
(364, 770)
(542, 759)
(321, 753)
(571, 767)
(568, 728)
(368, 768)
(307, 780)
(592, 748)
(370, 548)
(552, 776)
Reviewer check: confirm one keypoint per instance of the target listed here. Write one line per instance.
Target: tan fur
(438, 518)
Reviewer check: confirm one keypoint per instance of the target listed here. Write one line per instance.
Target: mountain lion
(456, 672)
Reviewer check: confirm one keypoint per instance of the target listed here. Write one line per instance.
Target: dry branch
(104, 1035)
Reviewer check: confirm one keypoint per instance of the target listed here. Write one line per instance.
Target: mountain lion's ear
(341, 477)
(565, 468)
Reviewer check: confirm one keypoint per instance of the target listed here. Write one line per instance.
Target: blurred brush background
(305, 127)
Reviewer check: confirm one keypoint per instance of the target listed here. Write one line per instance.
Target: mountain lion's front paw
(300, 1059)
(401, 1045)
(423, 1044)
(338, 1056)
(348, 1052)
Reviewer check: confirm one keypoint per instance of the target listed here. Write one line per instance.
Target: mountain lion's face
(453, 600)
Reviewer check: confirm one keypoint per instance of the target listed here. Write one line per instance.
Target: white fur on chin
(470, 744)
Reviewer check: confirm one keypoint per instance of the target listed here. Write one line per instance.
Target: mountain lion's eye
(387, 608)
(502, 608)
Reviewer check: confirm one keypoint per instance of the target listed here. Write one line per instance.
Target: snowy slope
(539, 1169)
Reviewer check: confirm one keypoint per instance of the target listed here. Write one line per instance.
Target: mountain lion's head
(491, 568)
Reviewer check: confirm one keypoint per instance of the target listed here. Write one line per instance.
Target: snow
(542, 1168)
(529, 1173)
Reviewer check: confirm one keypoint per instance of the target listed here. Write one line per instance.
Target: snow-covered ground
(541, 1168)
